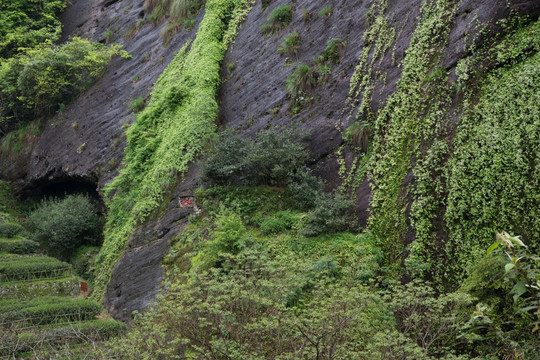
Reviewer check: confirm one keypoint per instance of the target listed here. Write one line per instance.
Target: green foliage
(493, 175)
(281, 222)
(244, 200)
(407, 124)
(304, 77)
(8, 203)
(137, 105)
(239, 312)
(165, 139)
(290, 44)
(25, 24)
(176, 9)
(18, 245)
(332, 213)
(37, 81)
(279, 18)
(507, 285)
(267, 161)
(229, 237)
(10, 229)
(305, 188)
(61, 226)
(265, 3)
(432, 321)
(36, 267)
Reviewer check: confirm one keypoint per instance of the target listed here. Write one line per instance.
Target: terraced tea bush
(61, 226)
(55, 312)
(11, 305)
(10, 229)
(27, 268)
(67, 286)
(18, 245)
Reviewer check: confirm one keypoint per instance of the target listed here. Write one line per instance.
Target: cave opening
(61, 187)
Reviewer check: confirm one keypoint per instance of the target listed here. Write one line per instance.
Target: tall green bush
(62, 225)
(267, 161)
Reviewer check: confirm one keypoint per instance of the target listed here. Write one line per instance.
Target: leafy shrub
(36, 82)
(10, 229)
(290, 44)
(61, 226)
(26, 24)
(18, 245)
(228, 163)
(507, 317)
(229, 237)
(305, 188)
(332, 213)
(268, 161)
(278, 19)
(47, 313)
(32, 267)
(431, 321)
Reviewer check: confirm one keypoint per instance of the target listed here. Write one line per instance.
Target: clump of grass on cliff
(170, 132)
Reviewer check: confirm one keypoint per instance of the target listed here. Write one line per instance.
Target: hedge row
(14, 304)
(60, 287)
(47, 313)
(18, 245)
(10, 229)
(32, 267)
(96, 330)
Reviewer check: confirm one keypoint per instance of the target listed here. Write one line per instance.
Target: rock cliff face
(252, 97)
